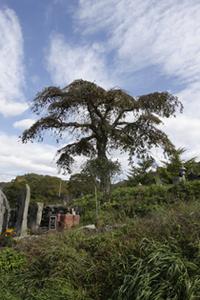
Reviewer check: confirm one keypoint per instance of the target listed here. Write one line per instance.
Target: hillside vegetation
(146, 247)
(44, 188)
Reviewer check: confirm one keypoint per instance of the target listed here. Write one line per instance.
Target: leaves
(160, 273)
(43, 189)
(99, 121)
(105, 116)
(11, 260)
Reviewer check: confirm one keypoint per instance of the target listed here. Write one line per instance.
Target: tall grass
(160, 273)
(149, 258)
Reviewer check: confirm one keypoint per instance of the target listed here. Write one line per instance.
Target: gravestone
(40, 206)
(4, 212)
(21, 226)
(52, 223)
(35, 216)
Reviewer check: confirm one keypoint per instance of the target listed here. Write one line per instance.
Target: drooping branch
(50, 122)
(162, 104)
(140, 136)
(120, 101)
(112, 119)
(82, 147)
(46, 97)
(145, 119)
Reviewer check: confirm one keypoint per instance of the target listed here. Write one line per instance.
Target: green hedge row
(142, 200)
(136, 201)
(159, 193)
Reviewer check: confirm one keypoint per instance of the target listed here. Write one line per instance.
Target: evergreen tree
(101, 120)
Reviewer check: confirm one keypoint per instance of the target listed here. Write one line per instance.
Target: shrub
(10, 260)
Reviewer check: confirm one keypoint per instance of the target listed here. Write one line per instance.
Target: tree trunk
(105, 181)
(105, 186)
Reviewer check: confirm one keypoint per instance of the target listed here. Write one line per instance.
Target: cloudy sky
(141, 46)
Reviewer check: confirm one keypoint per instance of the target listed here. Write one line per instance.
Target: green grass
(149, 251)
(154, 257)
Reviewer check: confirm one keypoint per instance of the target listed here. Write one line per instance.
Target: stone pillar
(35, 216)
(40, 206)
(4, 212)
(21, 226)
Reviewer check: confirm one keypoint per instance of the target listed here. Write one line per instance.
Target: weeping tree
(101, 121)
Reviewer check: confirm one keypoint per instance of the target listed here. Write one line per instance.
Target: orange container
(67, 221)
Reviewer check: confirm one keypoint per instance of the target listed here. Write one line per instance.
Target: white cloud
(11, 65)
(164, 33)
(190, 96)
(17, 158)
(138, 34)
(23, 124)
(69, 62)
(148, 33)
(184, 131)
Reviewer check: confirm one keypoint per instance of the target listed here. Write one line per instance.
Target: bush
(11, 260)
(151, 258)
(143, 200)
(156, 257)
(12, 264)
(132, 202)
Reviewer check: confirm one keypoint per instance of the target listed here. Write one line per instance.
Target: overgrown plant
(160, 273)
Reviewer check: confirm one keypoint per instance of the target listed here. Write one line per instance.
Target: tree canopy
(101, 121)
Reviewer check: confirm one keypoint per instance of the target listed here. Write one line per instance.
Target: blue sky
(141, 46)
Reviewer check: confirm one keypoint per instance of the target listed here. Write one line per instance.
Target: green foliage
(11, 260)
(170, 170)
(53, 272)
(142, 173)
(161, 272)
(44, 188)
(98, 168)
(167, 173)
(132, 202)
(104, 125)
(172, 167)
(142, 200)
(150, 258)
(80, 184)
(87, 208)
(89, 180)
(147, 247)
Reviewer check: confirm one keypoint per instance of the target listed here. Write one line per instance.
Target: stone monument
(35, 216)
(22, 219)
(4, 212)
